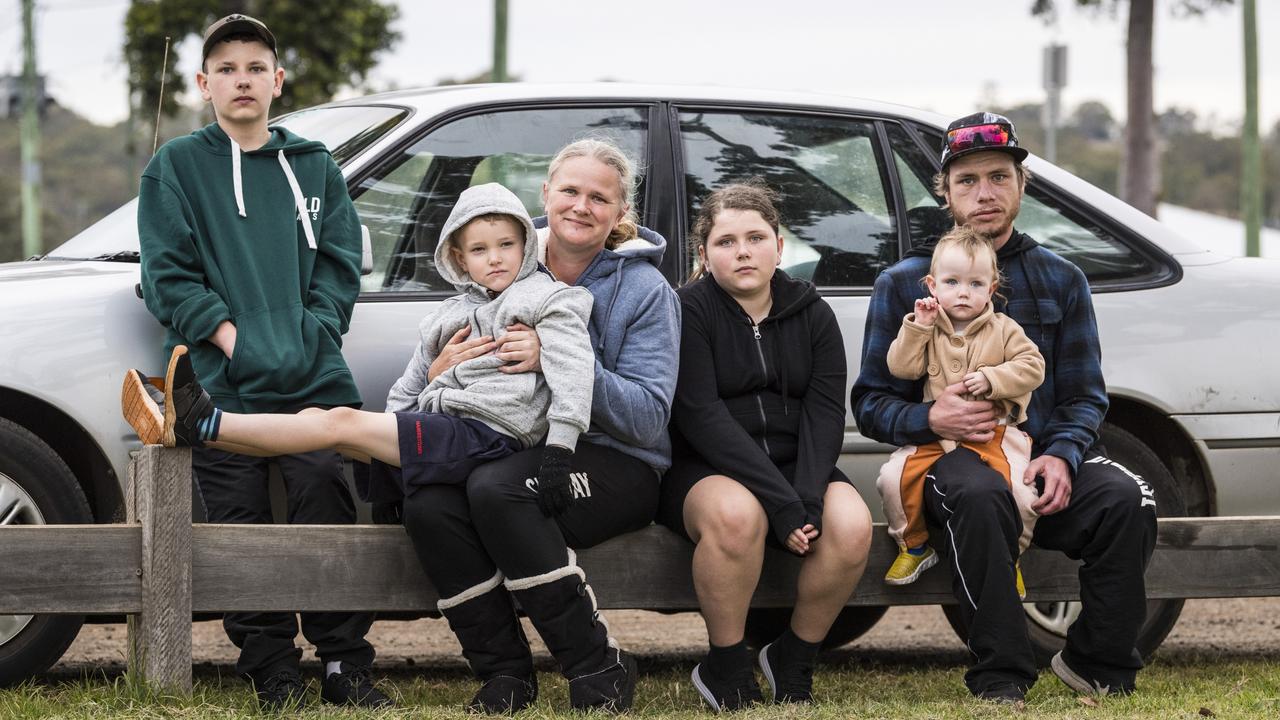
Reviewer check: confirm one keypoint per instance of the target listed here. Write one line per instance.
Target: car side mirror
(366, 251)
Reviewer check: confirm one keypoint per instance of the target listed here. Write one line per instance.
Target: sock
(917, 551)
(723, 661)
(208, 429)
(333, 667)
(792, 646)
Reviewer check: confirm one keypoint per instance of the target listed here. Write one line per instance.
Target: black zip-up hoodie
(763, 404)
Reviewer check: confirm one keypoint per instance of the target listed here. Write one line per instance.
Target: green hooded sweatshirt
(267, 239)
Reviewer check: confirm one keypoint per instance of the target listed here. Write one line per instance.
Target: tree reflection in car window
(405, 204)
(837, 219)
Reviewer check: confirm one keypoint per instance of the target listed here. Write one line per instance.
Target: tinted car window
(1048, 220)
(406, 203)
(836, 215)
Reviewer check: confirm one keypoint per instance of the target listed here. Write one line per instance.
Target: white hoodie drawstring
(303, 215)
(236, 182)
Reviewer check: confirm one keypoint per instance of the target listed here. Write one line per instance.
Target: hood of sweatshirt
(282, 143)
(486, 199)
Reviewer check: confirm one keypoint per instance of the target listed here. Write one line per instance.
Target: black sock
(793, 647)
(725, 661)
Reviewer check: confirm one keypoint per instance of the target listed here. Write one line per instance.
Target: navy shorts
(435, 449)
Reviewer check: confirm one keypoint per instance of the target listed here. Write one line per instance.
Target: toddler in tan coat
(955, 336)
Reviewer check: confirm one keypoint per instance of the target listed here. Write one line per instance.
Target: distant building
(11, 94)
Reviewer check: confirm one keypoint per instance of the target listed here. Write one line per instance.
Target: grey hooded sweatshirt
(554, 403)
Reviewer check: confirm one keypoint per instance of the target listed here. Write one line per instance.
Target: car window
(1049, 221)
(406, 202)
(837, 221)
(345, 130)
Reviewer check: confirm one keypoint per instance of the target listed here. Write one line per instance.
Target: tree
(1140, 167)
(323, 44)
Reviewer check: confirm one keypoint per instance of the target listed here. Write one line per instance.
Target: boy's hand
(224, 336)
(954, 418)
(927, 311)
(555, 492)
(1057, 483)
(977, 384)
(520, 345)
(459, 349)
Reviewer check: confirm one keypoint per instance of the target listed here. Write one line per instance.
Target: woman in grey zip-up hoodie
(490, 541)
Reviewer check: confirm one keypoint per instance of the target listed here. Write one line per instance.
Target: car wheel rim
(1054, 617)
(16, 508)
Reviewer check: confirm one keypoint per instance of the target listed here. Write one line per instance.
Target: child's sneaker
(908, 566)
(1022, 587)
(186, 404)
(142, 405)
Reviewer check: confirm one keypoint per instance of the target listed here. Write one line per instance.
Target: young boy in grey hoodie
(436, 430)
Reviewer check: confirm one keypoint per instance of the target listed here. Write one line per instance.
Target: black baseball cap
(980, 132)
(235, 24)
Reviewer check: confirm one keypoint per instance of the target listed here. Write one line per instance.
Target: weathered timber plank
(374, 567)
(160, 635)
(70, 569)
(94, 568)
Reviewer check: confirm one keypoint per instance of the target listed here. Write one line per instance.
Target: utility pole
(31, 100)
(499, 41)
(1251, 154)
(1055, 78)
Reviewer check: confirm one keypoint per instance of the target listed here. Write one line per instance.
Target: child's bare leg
(352, 432)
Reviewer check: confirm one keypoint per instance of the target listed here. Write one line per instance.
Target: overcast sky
(938, 54)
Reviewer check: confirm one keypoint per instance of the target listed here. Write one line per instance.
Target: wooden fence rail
(159, 568)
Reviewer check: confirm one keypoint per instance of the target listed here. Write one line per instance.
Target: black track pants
(1110, 524)
(464, 534)
(234, 489)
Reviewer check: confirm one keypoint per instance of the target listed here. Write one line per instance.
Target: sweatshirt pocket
(276, 350)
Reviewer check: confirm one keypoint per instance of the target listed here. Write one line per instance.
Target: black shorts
(686, 471)
(435, 449)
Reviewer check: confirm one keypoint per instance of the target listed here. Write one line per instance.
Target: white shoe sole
(768, 671)
(1074, 681)
(929, 561)
(707, 696)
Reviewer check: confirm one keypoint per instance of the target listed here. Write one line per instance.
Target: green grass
(1184, 686)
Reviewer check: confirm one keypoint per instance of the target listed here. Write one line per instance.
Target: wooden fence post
(159, 498)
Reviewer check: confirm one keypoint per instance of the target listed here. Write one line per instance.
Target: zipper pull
(756, 329)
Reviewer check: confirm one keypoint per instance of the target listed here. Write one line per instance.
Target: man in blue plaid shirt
(1091, 508)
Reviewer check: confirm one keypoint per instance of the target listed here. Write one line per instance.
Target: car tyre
(764, 625)
(1047, 623)
(36, 488)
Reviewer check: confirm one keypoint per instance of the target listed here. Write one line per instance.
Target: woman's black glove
(554, 490)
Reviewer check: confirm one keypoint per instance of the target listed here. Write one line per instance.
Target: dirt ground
(1231, 628)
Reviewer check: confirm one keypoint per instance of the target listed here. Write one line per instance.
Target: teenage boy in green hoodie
(251, 258)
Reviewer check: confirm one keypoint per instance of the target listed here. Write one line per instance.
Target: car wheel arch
(1173, 446)
(70, 441)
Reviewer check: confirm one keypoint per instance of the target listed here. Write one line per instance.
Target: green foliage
(324, 44)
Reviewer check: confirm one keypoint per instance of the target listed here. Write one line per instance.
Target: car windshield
(345, 130)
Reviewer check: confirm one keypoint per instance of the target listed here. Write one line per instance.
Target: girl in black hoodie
(757, 426)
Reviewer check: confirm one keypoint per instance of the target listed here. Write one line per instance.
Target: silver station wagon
(1189, 338)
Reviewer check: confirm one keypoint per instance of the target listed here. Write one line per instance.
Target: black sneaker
(611, 689)
(1006, 694)
(186, 403)
(504, 694)
(353, 686)
(790, 680)
(727, 694)
(282, 691)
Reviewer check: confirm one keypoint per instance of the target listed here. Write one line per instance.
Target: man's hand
(521, 349)
(977, 384)
(927, 311)
(1057, 483)
(224, 336)
(954, 418)
(459, 349)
